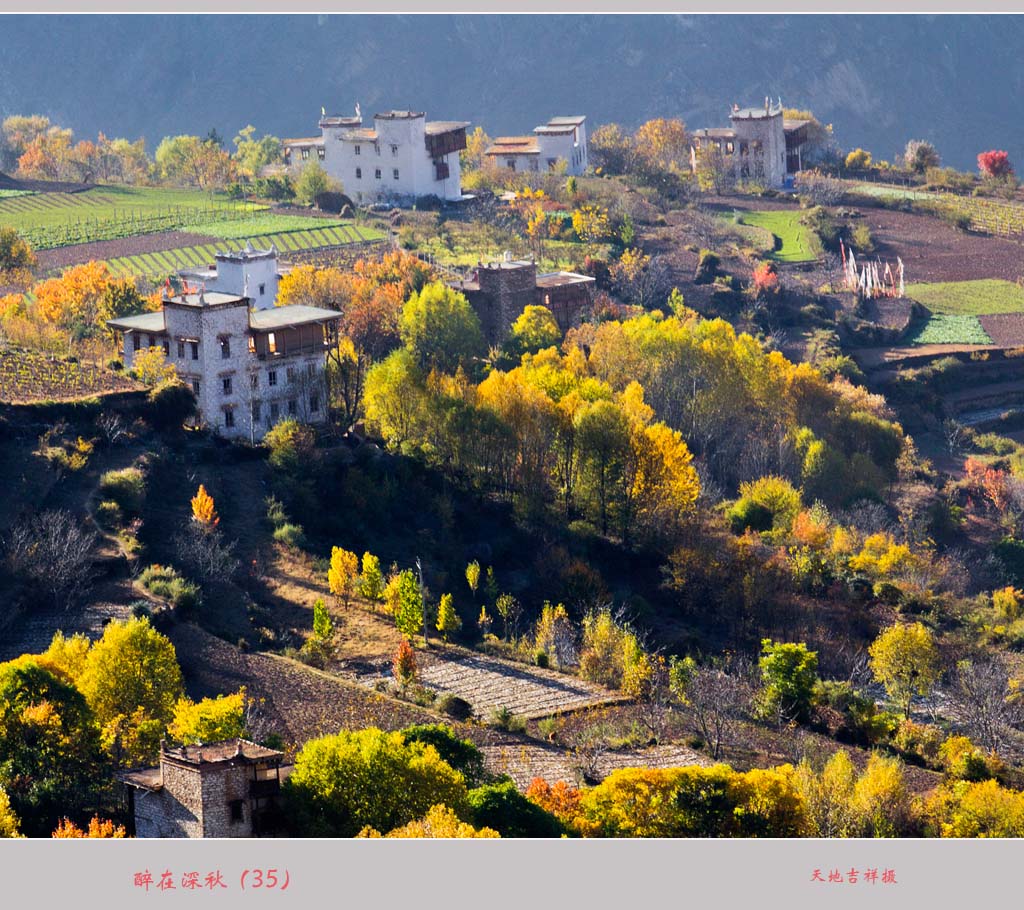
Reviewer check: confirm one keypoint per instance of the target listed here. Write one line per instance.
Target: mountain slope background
(880, 80)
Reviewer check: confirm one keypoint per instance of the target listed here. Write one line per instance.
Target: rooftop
(225, 751)
(283, 317)
(716, 132)
(399, 115)
(248, 254)
(360, 134)
(514, 145)
(336, 120)
(566, 121)
(310, 140)
(791, 125)
(769, 109)
(561, 279)
(144, 322)
(436, 127)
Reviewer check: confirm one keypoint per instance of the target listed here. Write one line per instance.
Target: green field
(969, 298)
(890, 191)
(156, 266)
(793, 239)
(10, 194)
(261, 225)
(946, 329)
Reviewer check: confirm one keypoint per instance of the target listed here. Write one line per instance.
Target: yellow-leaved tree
(343, 574)
(203, 510)
(209, 720)
(905, 659)
(440, 821)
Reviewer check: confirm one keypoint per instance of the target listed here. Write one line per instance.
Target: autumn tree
(193, 161)
(641, 279)
(97, 828)
(716, 172)
(662, 145)
(132, 683)
(995, 165)
(403, 665)
(919, 155)
(209, 720)
(73, 300)
(440, 328)
(204, 511)
(591, 223)
(440, 821)
(351, 780)
(16, 257)
(150, 367)
(611, 149)
(343, 574)
(8, 820)
(51, 763)
(409, 604)
(472, 157)
(53, 551)
(17, 132)
(858, 160)
(448, 620)
(371, 580)
(905, 659)
(313, 182)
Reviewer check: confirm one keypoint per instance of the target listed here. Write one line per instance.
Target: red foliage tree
(995, 164)
(766, 278)
(404, 663)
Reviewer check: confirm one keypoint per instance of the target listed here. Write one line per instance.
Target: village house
(225, 789)
(761, 144)
(403, 157)
(247, 272)
(500, 291)
(249, 366)
(560, 139)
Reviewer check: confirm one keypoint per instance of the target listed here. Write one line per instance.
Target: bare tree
(112, 426)
(203, 551)
(820, 188)
(53, 551)
(985, 703)
(716, 699)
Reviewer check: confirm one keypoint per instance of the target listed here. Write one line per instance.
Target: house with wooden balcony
(225, 789)
(248, 367)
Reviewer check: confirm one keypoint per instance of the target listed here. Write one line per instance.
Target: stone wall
(506, 289)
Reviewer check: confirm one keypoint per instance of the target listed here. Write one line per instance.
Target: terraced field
(159, 264)
(969, 298)
(793, 240)
(945, 329)
(26, 377)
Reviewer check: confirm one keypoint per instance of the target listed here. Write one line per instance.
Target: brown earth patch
(1005, 329)
(78, 253)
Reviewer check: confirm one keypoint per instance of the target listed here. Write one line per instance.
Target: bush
(125, 488)
(541, 659)
(963, 760)
(862, 723)
(165, 582)
(862, 239)
(461, 754)
(275, 512)
(919, 743)
(789, 673)
(453, 706)
(745, 514)
(707, 267)
(504, 719)
(109, 515)
(291, 535)
(170, 404)
(502, 807)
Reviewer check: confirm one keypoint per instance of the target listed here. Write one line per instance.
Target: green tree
(448, 620)
(461, 754)
(440, 328)
(603, 439)
(371, 580)
(209, 720)
(409, 612)
(323, 628)
(251, 154)
(313, 182)
(51, 764)
(395, 398)
(291, 445)
(132, 682)
(905, 660)
(503, 808)
(345, 782)
(788, 673)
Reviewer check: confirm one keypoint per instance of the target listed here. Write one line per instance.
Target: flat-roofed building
(560, 139)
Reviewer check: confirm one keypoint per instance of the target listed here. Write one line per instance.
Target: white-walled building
(248, 273)
(401, 158)
(560, 139)
(249, 368)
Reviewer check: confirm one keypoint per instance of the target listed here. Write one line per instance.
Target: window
(225, 347)
(359, 173)
(305, 154)
(275, 409)
(551, 163)
(181, 350)
(167, 349)
(271, 377)
(293, 406)
(254, 381)
(287, 156)
(510, 163)
(290, 372)
(394, 151)
(311, 369)
(263, 289)
(314, 404)
(195, 386)
(136, 341)
(226, 385)
(272, 342)
(195, 350)
(376, 148)
(729, 148)
(320, 152)
(535, 165)
(394, 173)
(359, 150)
(255, 412)
(236, 810)
(252, 345)
(376, 173)
(229, 418)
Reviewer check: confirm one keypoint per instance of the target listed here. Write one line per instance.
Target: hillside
(873, 77)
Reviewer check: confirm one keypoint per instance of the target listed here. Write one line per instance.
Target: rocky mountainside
(881, 80)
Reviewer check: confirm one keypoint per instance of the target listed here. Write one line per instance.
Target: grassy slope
(969, 298)
(795, 241)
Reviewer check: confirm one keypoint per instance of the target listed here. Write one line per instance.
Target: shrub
(789, 673)
(995, 164)
(707, 267)
(170, 404)
(963, 760)
(291, 535)
(453, 706)
(125, 488)
(862, 239)
(858, 160)
(918, 742)
(745, 514)
(166, 582)
(777, 495)
(109, 514)
(504, 719)
(461, 754)
(541, 659)
(404, 663)
(502, 807)
(275, 511)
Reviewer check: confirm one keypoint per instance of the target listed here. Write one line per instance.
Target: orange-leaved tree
(203, 510)
(97, 828)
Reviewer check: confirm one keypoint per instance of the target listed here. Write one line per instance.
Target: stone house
(225, 789)
(560, 139)
(500, 291)
(249, 367)
(401, 158)
(760, 145)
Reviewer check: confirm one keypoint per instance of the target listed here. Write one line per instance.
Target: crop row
(28, 377)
